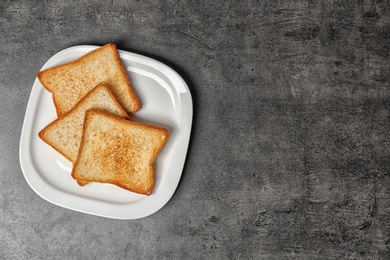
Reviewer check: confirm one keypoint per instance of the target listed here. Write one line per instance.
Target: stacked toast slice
(94, 100)
(69, 82)
(118, 151)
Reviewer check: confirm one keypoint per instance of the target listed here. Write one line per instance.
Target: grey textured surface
(289, 155)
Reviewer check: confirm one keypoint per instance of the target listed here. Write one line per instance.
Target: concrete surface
(289, 155)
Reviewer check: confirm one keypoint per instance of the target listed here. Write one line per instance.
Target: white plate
(166, 101)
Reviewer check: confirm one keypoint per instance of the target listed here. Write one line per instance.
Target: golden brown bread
(118, 151)
(64, 133)
(69, 82)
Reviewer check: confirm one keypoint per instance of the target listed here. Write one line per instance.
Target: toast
(69, 82)
(64, 133)
(118, 151)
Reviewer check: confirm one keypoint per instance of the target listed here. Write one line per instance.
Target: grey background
(289, 153)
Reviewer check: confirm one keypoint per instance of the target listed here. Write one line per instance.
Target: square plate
(166, 102)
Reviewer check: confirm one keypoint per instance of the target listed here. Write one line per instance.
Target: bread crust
(117, 120)
(43, 75)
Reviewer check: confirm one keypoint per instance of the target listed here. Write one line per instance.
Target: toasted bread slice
(69, 82)
(118, 151)
(64, 133)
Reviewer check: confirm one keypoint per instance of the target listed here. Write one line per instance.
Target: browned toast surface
(118, 151)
